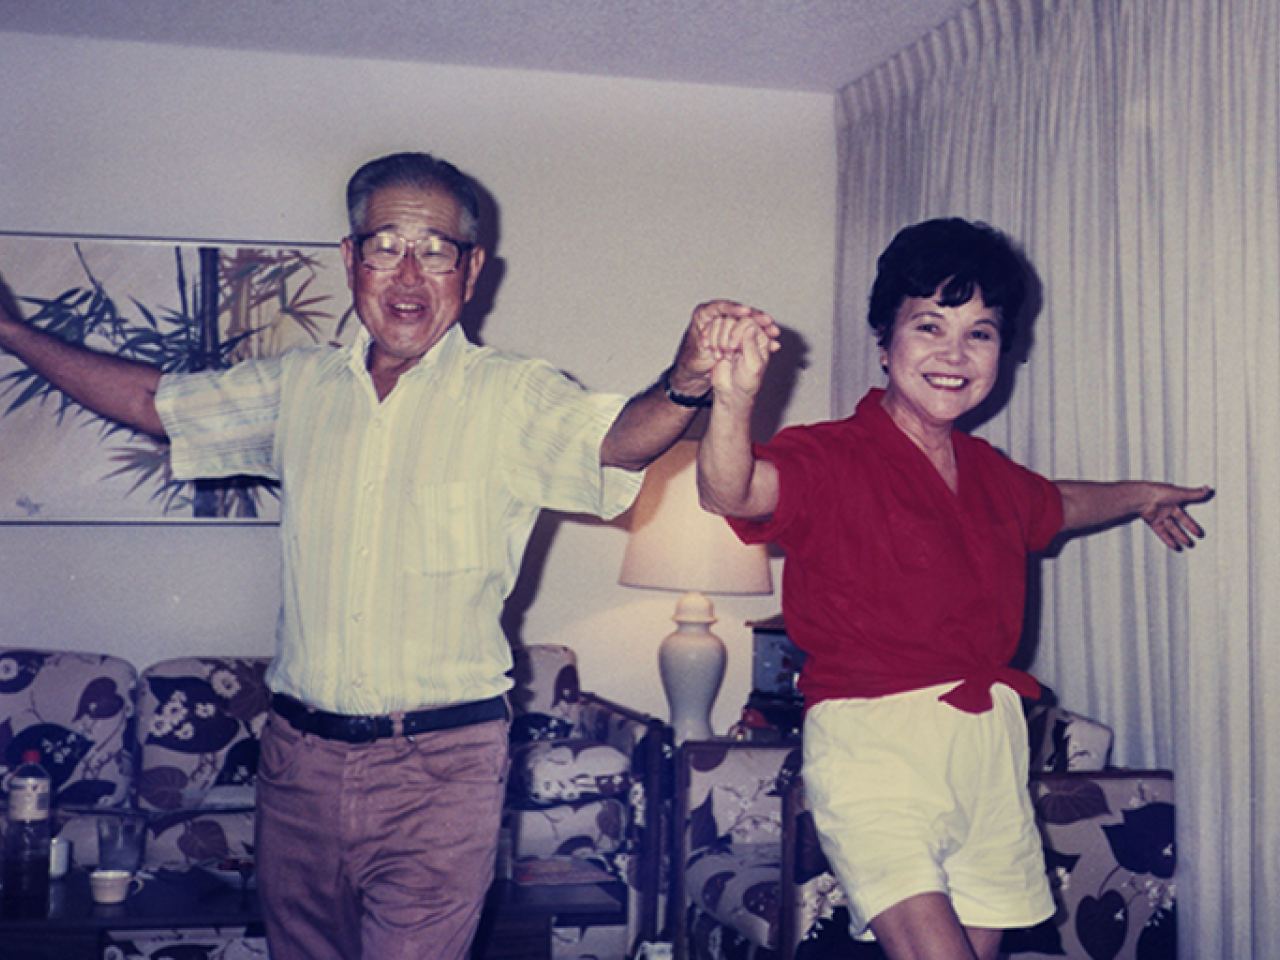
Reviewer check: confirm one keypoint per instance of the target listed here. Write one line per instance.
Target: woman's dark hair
(950, 258)
(421, 171)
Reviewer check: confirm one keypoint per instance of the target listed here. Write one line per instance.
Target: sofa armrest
(608, 722)
(648, 741)
(812, 901)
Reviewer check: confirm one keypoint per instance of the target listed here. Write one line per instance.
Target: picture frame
(180, 305)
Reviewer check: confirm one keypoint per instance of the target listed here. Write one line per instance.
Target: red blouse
(891, 581)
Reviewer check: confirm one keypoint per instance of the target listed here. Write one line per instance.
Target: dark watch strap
(683, 399)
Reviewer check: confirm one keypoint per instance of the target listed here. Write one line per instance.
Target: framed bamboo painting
(181, 306)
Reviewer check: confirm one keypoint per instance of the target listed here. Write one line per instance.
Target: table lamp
(676, 545)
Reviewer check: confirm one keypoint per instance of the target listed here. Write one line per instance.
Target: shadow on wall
(495, 268)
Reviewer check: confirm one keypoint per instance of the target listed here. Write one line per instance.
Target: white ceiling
(803, 45)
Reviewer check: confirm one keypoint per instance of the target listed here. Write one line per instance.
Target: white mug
(112, 886)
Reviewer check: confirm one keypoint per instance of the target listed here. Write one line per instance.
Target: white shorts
(911, 795)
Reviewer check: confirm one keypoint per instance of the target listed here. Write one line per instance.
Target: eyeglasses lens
(384, 251)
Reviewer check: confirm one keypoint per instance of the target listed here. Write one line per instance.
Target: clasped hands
(726, 348)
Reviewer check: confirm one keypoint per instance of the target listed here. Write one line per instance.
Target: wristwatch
(683, 399)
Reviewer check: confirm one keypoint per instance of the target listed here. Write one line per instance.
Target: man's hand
(721, 330)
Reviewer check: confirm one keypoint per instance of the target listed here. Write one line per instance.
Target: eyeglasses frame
(358, 239)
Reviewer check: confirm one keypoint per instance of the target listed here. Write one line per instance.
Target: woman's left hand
(1164, 513)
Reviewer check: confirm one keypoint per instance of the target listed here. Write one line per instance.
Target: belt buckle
(362, 729)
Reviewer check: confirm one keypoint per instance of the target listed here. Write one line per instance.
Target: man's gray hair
(420, 171)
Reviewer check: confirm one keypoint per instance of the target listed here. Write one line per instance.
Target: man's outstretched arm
(120, 390)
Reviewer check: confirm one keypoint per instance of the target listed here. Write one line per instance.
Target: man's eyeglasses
(435, 254)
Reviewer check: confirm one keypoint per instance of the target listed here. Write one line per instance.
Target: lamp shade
(676, 545)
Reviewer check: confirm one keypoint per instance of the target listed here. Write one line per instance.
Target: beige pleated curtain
(1132, 147)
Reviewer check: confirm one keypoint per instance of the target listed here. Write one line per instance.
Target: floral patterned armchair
(726, 885)
(741, 815)
(584, 789)
(1109, 849)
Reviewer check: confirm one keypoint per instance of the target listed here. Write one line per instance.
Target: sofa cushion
(77, 710)
(596, 828)
(218, 840)
(1062, 741)
(566, 771)
(199, 720)
(738, 794)
(741, 887)
(546, 698)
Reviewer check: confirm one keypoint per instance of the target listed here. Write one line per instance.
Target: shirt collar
(440, 361)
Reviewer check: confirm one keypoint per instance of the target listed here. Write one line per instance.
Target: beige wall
(622, 204)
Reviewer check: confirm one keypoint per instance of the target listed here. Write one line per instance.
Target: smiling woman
(907, 543)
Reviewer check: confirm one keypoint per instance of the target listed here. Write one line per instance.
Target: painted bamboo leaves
(265, 300)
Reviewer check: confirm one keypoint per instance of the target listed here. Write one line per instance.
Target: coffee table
(75, 926)
(517, 920)
(516, 923)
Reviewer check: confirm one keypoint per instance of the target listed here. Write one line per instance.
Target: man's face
(407, 310)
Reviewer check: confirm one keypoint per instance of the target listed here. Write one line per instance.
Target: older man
(413, 465)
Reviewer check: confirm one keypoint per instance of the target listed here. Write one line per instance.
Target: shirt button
(357, 617)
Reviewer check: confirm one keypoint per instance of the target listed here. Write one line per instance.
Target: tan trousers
(377, 851)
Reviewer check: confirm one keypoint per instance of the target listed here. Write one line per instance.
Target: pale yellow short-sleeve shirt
(403, 522)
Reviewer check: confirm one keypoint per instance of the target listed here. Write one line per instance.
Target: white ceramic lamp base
(691, 662)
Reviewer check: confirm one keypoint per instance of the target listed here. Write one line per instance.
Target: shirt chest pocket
(448, 528)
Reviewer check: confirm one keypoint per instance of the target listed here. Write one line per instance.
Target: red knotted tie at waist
(974, 693)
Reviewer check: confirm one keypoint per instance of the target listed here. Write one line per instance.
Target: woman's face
(942, 361)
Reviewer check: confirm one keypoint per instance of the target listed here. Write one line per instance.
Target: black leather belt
(359, 729)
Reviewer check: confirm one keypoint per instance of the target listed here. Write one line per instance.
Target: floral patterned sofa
(741, 816)
(179, 742)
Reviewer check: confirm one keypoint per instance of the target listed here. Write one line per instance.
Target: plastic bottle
(26, 839)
